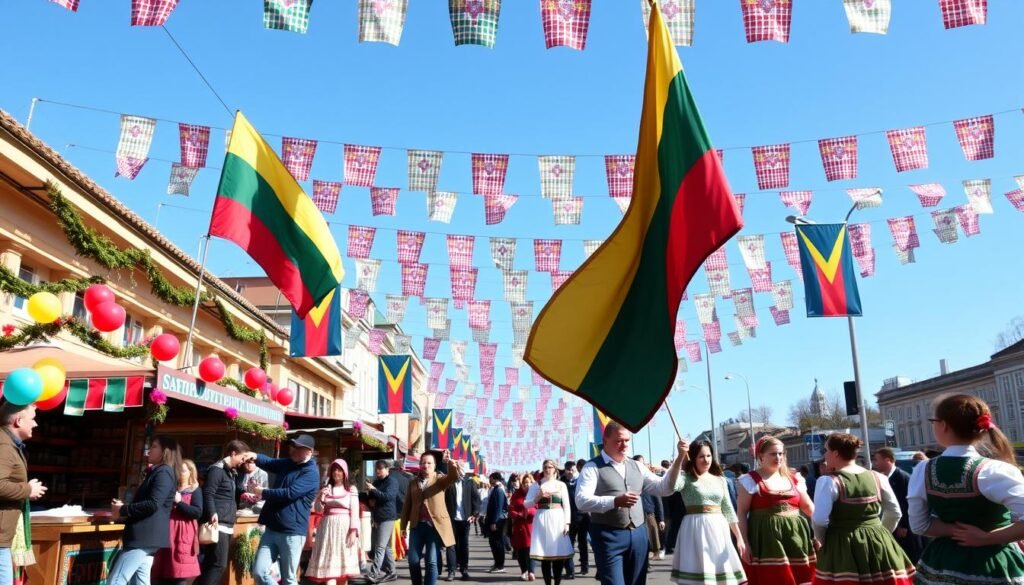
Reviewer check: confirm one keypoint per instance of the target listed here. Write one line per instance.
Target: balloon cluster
(42, 384)
(106, 315)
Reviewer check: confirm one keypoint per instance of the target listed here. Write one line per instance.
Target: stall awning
(371, 439)
(76, 363)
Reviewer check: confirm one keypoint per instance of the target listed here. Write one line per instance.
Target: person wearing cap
(286, 509)
(16, 489)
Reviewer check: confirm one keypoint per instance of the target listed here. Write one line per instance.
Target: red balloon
(54, 401)
(211, 369)
(255, 378)
(108, 316)
(285, 396)
(164, 347)
(273, 391)
(96, 295)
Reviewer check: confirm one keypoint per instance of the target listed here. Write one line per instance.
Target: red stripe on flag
(833, 294)
(316, 336)
(133, 391)
(94, 396)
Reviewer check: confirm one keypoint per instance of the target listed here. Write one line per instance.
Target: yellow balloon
(44, 307)
(53, 374)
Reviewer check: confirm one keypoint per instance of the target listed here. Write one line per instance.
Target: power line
(198, 72)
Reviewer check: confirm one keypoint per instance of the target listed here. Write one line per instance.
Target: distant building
(819, 404)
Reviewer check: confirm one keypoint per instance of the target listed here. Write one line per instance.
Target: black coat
(384, 497)
(470, 499)
(147, 520)
(912, 544)
(220, 494)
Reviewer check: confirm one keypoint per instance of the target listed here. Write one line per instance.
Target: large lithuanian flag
(262, 208)
(607, 333)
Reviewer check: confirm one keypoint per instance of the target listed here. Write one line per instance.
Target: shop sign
(182, 386)
(86, 564)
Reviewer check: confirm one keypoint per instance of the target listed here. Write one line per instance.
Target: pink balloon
(108, 316)
(273, 391)
(285, 396)
(164, 347)
(96, 295)
(255, 378)
(211, 369)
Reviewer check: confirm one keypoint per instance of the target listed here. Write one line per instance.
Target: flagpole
(31, 112)
(673, 419)
(711, 403)
(195, 304)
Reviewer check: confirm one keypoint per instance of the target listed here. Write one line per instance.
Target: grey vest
(610, 483)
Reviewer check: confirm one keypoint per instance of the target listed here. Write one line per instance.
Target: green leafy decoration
(9, 282)
(245, 551)
(244, 425)
(73, 325)
(237, 386)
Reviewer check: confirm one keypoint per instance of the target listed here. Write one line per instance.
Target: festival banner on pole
(456, 450)
(152, 12)
(839, 157)
(496, 206)
(424, 169)
(619, 172)
(868, 16)
(133, 145)
(976, 136)
(503, 252)
(394, 384)
(547, 254)
(410, 244)
(767, 20)
(830, 281)
(319, 333)
(360, 240)
(957, 13)
(382, 21)
(945, 225)
(195, 144)
(556, 176)
(288, 15)
(367, 271)
(326, 195)
(414, 279)
(181, 179)
(979, 195)
(460, 251)
(595, 450)
(489, 172)
(474, 22)
(297, 155)
(909, 148)
(601, 421)
(396, 306)
(565, 23)
(441, 206)
(361, 164)
(442, 435)
(383, 200)
(771, 166)
(929, 194)
(678, 17)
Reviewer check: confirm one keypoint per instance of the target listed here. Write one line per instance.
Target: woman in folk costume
(522, 527)
(550, 543)
(704, 553)
(179, 562)
(972, 505)
(780, 547)
(336, 554)
(856, 545)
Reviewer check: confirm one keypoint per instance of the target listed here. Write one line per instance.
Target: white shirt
(586, 501)
(549, 488)
(747, 482)
(826, 492)
(458, 501)
(998, 481)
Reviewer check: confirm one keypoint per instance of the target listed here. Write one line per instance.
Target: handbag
(208, 533)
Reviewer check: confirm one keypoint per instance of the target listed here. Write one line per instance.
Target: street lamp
(750, 415)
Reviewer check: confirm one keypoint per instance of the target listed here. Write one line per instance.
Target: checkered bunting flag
(866, 198)
(1016, 198)
(479, 314)
(437, 370)
(741, 200)
(403, 344)
(782, 294)
(771, 165)
(780, 316)
(522, 316)
(474, 22)
(904, 233)
(227, 139)
(352, 336)
(679, 338)
(503, 252)
(383, 200)
(195, 144)
(181, 179)
(547, 254)
(945, 225)
(556, 176)
(800, 201)
(410, 244)
(382, 21)
(909, 148)
(761, 278)
(458, 348)
(358, 301)
(297, 156)
(704, 303)
(414, 279)
(430, 347)
(489, 171)
(1020, 181)
(133, 146)
(863, 253)
(152, 12)
(623, 203)
(360, 240)
(289, 15)
(514, 283)
(511, 379)
(396, 306)
(735, 339)
(558, 278)
(424, 169)
(957, 13)
(445, 333)
(839, 157)
(377, 337)
(712, 333)
(589, 247)
(868, 16)
(979, 194)
(482, 335)
(568, 211)
(743, 299)
(437, 312)
(441, 206)
(792, 251)
(367, 272)
(326, 194)
(752, 250)
(618, 169)
(71, 5)
(460, 251)
(463, 282)
(361, 164)
(968, 220)
(678, 17)
(565, 22)
(496, 206)
(929, 194)
(976, 136)
(693, 351)
(767, 20)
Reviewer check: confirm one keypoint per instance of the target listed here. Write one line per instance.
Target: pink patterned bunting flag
(1016, 198)
(424, 169)
(133, 145)
(797, 200)
(437, 312)
(977, 136)
(414, 279)
(623, 203)
(367, 271)
(514, 284)
(590, 246)
(767, 20)
(152, 12)
(968, 220)
(957, 13)
(839, 157)
(382, 21)
(358, 300)
(547, 254)
(904, 233)
(735, 339)
(743, 299)
(558, 278)
(780, 316)
(536, 378)
(489, 172)
(704, 304)
(430, 347)
(495, 207)
(441, 206)
(297, 155)
(792, 252)
(181, 179)
(866, 198)
(503, 252)
(678, 17)
(436, 370)
(909, 148)
(565, 23)
(567, 211)
(680, 335)
(396, 306)
(410, 244)
(752, 250)
(360, 240)
(377, 337)
(712, 331)
(929, 194)
(195, 144)
(450, 386)
(741, 200)
(619, 171)
(556, 176)
(71, 5)
(868, 16)
(693, 351)
(771, 165)
(782, 294)
(361, 164)
(511, 379)
(979, 194)
(479, 314)
(460, 251)
(383, 200)
(463, 283)
(945, 225)
(761, 278)
(860, 238)
(326, 194)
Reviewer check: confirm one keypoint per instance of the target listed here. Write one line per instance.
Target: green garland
(249, 427)
(244, 334)
(73, 325)
(158, 414)
(245, 551)
(237, 386)
(10, 283)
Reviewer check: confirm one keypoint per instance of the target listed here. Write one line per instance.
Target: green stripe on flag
(113, 397)
(75, 403)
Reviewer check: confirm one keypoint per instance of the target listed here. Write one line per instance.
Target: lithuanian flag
(606, 334)
(262, 208)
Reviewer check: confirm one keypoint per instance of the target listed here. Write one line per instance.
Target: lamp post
(750, 415)
(795, 220)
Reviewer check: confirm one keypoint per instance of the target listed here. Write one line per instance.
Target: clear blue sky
(521, 98)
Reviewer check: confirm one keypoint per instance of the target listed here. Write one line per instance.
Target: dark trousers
(215, 561)
(461, 548)
(578, 535)
(673, 534)
(620, 554)
(524, 560)
(496, 538)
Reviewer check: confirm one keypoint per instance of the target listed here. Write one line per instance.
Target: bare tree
(802, 416)
(1013, 333)
(759, 414)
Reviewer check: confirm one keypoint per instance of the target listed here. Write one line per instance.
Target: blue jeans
(132, 563)
(620, 554)
(6, 567)
(424, 544)
(280, 547)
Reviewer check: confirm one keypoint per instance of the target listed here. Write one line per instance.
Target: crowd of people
(955, 519)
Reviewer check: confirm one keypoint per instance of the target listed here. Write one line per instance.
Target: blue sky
(521, 98)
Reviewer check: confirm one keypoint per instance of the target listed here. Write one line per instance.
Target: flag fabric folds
(474, 22)
(601, 420)
(394, 384)
(261, 207)
(442, 436)
(868, 16)
(565, 22)
(326, 194)
(297, 154)
(830, 279)
(133, 145)
(382, 21)
(607, 333)
(289, 15)
(152, 12)
(319, 333)
(181, 179)
(195, 144)
(107, 394)
(678, 17)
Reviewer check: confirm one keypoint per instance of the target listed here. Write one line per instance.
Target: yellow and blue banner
(595, 450)
(456, 449)
(467, 449)
(319, 334)
(601, 420)
(394, 384)
(830, 278)
(442, 437)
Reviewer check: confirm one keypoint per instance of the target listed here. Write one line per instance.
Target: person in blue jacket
(147, 520)
(286, 509)
(497, 514)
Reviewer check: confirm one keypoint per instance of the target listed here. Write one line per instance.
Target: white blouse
(998, 481)
(750, 485)
(826, 492)
(549, 488)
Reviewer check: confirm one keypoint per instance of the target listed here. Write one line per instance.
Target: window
(132, 331)
(78, 310)
(28, 274)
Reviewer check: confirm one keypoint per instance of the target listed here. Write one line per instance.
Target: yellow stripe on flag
(831, 266)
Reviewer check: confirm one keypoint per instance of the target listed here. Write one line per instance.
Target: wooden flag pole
(673, 419)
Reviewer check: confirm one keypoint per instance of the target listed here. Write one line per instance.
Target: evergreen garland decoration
(244, 334)
(245, 551)
(158, 414)
(10, 283)
(244, 425)
(73, 325)
(237, 386)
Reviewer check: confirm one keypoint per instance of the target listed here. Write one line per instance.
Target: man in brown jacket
(425, 516)
(15, 487)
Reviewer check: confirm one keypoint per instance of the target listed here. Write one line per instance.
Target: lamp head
(798, 219)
